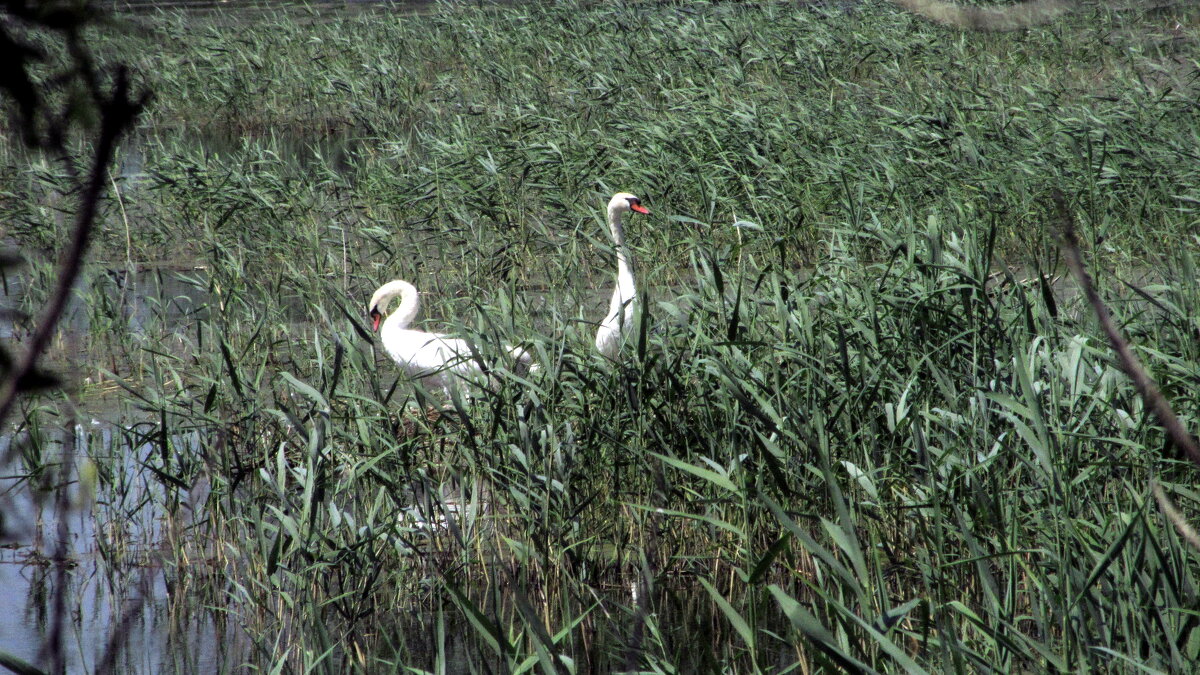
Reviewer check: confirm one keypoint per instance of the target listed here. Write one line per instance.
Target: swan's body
(619, 320)
(435, 359)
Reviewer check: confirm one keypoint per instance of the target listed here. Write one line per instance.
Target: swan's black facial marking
(636, 205)
(375, 317)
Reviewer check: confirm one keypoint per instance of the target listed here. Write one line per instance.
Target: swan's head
(377, 307)
(623, 202)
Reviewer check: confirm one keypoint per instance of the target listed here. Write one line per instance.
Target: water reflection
(87, 562)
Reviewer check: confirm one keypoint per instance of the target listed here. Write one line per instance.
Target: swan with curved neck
(437, 360)
(619, 320)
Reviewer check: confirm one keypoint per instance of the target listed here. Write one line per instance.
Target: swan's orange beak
(639, 208)
(375, 318)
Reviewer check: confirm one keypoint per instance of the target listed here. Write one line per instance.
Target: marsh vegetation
(865, 425)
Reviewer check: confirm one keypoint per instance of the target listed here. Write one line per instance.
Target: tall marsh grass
(865, 427)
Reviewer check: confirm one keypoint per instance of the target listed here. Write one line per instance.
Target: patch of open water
(83, 566)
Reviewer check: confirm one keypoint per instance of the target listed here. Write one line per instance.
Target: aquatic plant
(864, 424)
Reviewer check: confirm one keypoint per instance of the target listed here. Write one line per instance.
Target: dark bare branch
(1132, 367)
(1128, 361)
(117, 114)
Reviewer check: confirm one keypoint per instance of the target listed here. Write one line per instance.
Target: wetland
(865, 426)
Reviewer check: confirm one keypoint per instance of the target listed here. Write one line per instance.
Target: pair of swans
(438, 360)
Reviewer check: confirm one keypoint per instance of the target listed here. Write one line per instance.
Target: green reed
(497, 128)
(914, 463)
(862, 429)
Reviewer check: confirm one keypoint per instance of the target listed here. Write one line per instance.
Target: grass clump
(494, 128)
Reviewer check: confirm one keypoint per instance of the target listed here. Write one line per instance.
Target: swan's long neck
(625, 291)
(406, 312)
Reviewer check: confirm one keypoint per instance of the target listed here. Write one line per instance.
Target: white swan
(435, 359)
(621, 308)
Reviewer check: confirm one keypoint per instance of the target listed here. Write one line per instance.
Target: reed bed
(866, 427)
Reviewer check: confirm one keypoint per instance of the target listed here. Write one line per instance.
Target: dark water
(85, 566)
(137, 303)
(56, 546)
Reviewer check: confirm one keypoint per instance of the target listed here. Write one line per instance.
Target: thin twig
(1132, 367)
(1182, 526)
(117, 114)
(1128, 361)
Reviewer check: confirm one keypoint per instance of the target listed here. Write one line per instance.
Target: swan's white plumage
(620, 318)
(437, 360)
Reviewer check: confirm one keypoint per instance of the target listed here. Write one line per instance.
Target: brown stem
(117, 114)
(1132, 367)
(1129, 362)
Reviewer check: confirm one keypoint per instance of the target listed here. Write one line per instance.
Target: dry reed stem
(1182, 526)
(117, 112)
(1132, 367)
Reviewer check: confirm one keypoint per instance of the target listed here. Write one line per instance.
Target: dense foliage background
(868, 426)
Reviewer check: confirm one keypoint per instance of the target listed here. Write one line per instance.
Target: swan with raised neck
(619, 320)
